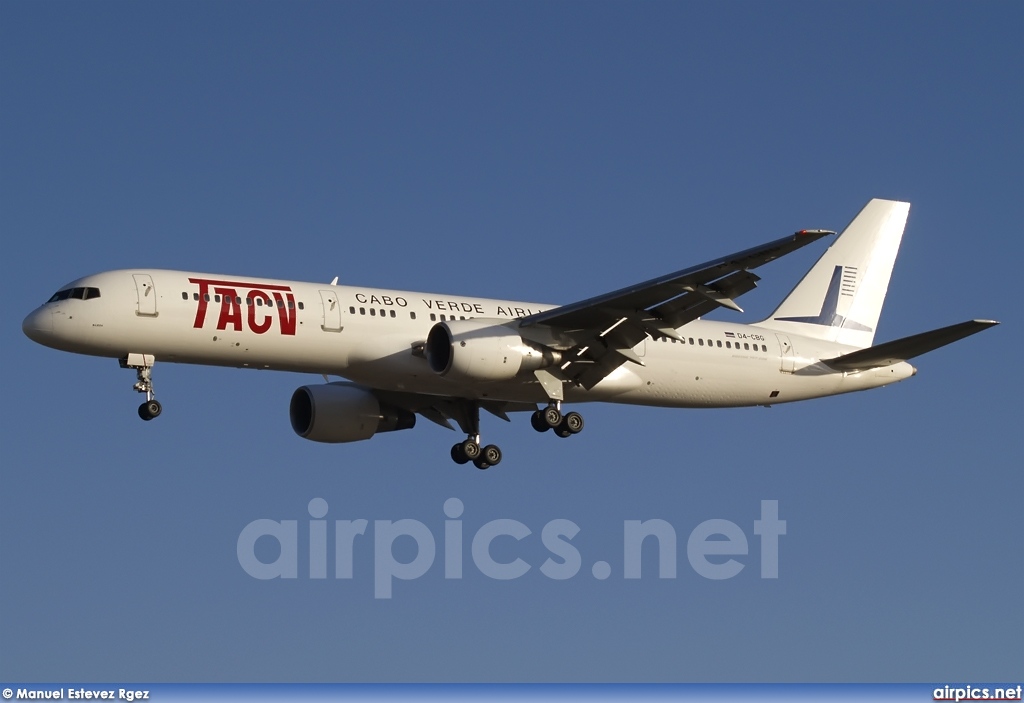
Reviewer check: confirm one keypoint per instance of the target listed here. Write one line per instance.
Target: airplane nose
(38, 325)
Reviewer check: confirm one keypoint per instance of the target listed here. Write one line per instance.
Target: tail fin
(840, 298)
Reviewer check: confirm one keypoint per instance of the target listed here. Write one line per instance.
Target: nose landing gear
(150, 409)
(143, 365)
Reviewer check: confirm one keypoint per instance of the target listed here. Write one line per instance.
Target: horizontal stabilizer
(899, 350)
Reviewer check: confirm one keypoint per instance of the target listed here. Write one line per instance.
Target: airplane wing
(602, 331)
(442, 410)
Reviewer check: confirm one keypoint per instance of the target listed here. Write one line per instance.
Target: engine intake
(343, 412)
(483, 350)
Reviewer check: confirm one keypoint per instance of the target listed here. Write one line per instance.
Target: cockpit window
(82, 293)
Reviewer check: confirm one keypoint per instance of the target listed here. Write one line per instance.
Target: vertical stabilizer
(840, 298)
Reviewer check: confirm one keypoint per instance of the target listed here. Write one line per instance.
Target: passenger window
(206, 297)
(195, 296)
(352, 311)
(373, 312)
(216, 298)
(719, 343)
(248, 301)
(302, 305)
(392, 313)
(764, 348)
(746, 346)
(362, 311)
(383, 313)
(412, 315)
(701, 342)
(691, 340)
(433, 317)
(291, 304)
(728, 345)
(184, 295)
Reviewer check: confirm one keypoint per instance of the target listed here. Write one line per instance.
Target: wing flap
(441, 410)
(703, 299)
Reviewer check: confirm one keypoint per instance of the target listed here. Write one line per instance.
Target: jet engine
(342, 412)
(483, 350)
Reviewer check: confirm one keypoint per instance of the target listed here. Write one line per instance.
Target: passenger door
(786, 354)
(146, 292)
(332, 311)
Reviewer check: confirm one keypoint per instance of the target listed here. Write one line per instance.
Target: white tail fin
(841, 297)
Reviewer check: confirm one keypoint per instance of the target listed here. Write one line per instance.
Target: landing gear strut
(551, 418)
(143, 365)
(470, 449)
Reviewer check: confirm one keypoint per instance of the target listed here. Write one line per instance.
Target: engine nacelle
(342, 412)
(483, 350)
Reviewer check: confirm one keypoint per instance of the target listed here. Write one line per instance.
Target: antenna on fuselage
(335, 281)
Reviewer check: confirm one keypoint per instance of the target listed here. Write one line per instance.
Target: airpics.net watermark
(710, 547)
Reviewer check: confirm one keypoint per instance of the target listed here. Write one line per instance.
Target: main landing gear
(470, 450)
(143, 365)
(484, 457)
(551, 418)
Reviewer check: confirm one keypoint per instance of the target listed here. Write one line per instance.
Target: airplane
(445, 358)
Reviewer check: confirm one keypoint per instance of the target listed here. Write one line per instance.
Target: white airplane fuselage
(374, 337)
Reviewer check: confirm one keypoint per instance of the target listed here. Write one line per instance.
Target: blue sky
(530, 151)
